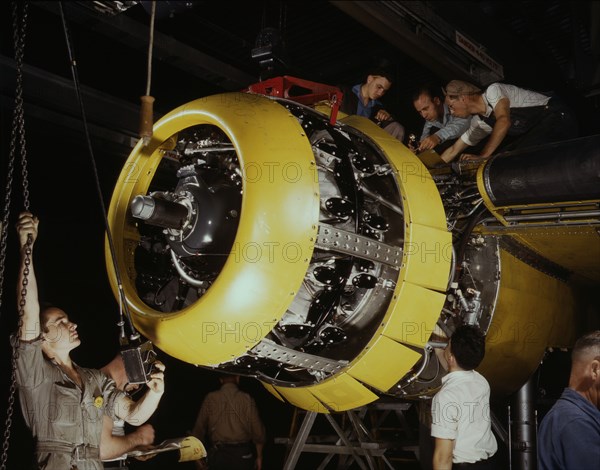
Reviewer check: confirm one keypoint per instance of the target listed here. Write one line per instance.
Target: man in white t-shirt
(460, 412)
(512, 117)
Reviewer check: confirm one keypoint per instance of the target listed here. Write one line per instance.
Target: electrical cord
(122, 299)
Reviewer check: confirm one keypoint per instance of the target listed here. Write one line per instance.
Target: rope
(150, 47)
(134, 334)
(147, 101)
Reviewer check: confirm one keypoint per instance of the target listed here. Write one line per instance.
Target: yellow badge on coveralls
(98, 401)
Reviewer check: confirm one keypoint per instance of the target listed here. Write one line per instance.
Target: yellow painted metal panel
(413, 320)
(325, 108)
(576, 249)
(302, 398)
(342, 392)
(427, 257)
(276, 232)
(273, 391)
(486, 198)
(373, 365)
(533, 310)
(421, 198)
(339, 393)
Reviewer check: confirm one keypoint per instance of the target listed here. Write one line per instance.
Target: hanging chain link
(18, 129)
(17, 134)
(15, 354)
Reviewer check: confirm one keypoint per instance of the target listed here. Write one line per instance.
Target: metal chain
(18, 130)
(15, 355)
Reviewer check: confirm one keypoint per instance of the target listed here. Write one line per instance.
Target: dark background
(205, 48)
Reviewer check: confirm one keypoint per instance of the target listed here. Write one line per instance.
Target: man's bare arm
(383, 115)
(442, 455)
(429, 142)
(452, 152)
(138, 412)
(27, 225)
(112, 447)
(501, 127)
(259, 456)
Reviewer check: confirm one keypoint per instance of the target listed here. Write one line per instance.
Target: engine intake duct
(558, 172)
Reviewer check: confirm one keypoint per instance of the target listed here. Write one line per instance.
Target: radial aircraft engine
(255, 236)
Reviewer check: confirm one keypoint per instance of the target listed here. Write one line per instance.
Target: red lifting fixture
(302, 91)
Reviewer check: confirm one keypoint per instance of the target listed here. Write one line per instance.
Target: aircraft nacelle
(256, 237)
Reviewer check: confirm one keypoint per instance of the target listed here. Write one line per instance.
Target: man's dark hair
(429, 89)
(467, 345)
(229, 378)
(589, 341)
(381, 72)
(45, 307)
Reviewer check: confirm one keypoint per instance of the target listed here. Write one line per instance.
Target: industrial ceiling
(203, 47)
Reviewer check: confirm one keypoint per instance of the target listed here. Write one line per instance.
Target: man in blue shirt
(364, 100)
(569, 435)
(441, 129)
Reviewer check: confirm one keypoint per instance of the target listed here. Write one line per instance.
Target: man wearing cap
(512, 117)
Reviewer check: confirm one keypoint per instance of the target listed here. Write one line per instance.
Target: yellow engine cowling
(533, 311)
(252, 292)
(256, 238)
(544, 208)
